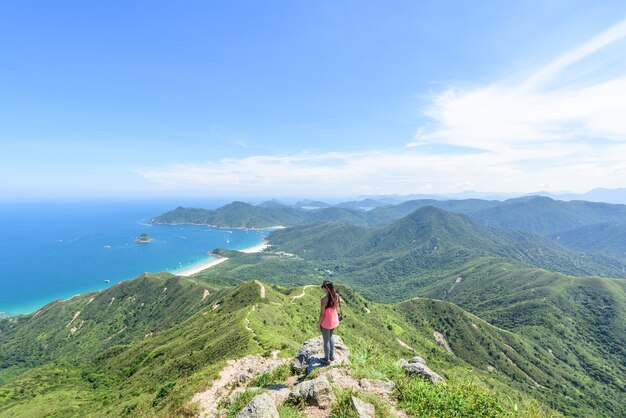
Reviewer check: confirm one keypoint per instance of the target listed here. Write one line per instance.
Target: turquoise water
(53, 249)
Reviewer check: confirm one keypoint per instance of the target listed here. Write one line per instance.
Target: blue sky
(310, 99)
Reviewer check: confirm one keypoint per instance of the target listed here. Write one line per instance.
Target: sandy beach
(256, 248)
(217, 260)
(199, 267)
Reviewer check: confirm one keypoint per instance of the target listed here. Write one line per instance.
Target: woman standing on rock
(329, 320)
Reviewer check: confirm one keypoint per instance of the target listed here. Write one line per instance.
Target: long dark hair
(333, 300)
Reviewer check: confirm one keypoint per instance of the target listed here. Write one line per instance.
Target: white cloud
(535, 133)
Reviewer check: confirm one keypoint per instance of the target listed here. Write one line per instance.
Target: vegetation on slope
(427, 240)
(234, 215)
(157, 372)
(607, 238)
(542, 215)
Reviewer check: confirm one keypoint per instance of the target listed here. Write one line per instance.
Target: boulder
(311, 354)
(261, 406)
(316, 392)
(417, 366)
(363, 409)
(377, 387)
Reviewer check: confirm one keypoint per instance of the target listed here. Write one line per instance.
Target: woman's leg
(327, 337)
(331, 345)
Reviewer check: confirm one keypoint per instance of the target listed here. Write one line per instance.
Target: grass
(240, 402)
(290, 411)
(277, 376)
(342, 408)
(421, 398)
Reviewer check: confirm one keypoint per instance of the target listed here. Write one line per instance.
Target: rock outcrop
(417, 366)
(316, 392)
(261, 406)
(311, 354)
(363, 409)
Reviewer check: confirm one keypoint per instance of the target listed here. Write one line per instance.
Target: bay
(55, 249)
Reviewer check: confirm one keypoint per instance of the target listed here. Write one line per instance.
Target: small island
(143, 239)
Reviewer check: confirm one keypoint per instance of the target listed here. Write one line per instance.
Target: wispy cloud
(537, 109)
(547, 130)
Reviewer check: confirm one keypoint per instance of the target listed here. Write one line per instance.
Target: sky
(311, 99)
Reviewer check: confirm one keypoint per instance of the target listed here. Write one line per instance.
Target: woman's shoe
(332, 358)
(324, 362)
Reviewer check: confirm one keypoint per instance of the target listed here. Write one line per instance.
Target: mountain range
(511, 300)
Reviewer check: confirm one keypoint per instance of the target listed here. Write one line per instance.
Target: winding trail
(248, 320)
(231, 376)
(303, 292)
(405, 345)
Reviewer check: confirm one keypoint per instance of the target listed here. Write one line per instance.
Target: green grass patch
(290, 411)
(237, 404)
(342, 408)
(277, 376)
(421, 398)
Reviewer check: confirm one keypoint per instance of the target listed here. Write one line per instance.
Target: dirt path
(235, 373)
(303, 292)
(405, 345)
(248, 320)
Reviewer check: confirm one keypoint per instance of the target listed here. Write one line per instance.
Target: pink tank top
(331, 318)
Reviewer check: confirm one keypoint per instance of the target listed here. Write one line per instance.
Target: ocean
(55, 249)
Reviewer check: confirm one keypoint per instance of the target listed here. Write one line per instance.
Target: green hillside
(542, 215)
(534, 214)
(576, 324)
(607, 238)
(234, 215)
(427, 240)
(155, 369)
(385, 214)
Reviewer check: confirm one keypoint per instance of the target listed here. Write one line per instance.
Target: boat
(107, 281)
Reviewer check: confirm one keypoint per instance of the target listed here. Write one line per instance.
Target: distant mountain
(274, 203)
(543, 215)
(350, 216)
(308, 203)
(360, 204)
(603, 238)
(234, 215)
(430, 237)
(384, 215)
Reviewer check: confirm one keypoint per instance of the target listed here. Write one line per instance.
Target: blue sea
(55, 249)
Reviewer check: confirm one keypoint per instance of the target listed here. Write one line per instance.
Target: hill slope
(427, 239)
(542, 215)
(234, 215)
(603, 238)
(158, 372)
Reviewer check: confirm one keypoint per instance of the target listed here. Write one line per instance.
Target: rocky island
(143, 239)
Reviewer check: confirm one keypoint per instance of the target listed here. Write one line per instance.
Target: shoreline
(189, 271)
(197, 268)
(213, 260)
(240, 228)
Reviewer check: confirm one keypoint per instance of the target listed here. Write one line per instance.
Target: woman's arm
(319, 323)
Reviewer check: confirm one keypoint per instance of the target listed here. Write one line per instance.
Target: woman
(329, 319)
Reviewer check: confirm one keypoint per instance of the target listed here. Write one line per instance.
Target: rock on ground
(261, 406)
(363, 409)
(417, 366)
(311, 353)
(236, 374)
(316, 392)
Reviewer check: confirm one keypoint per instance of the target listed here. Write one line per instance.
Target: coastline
(240, 228)
(189, 271)
(31, 306)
